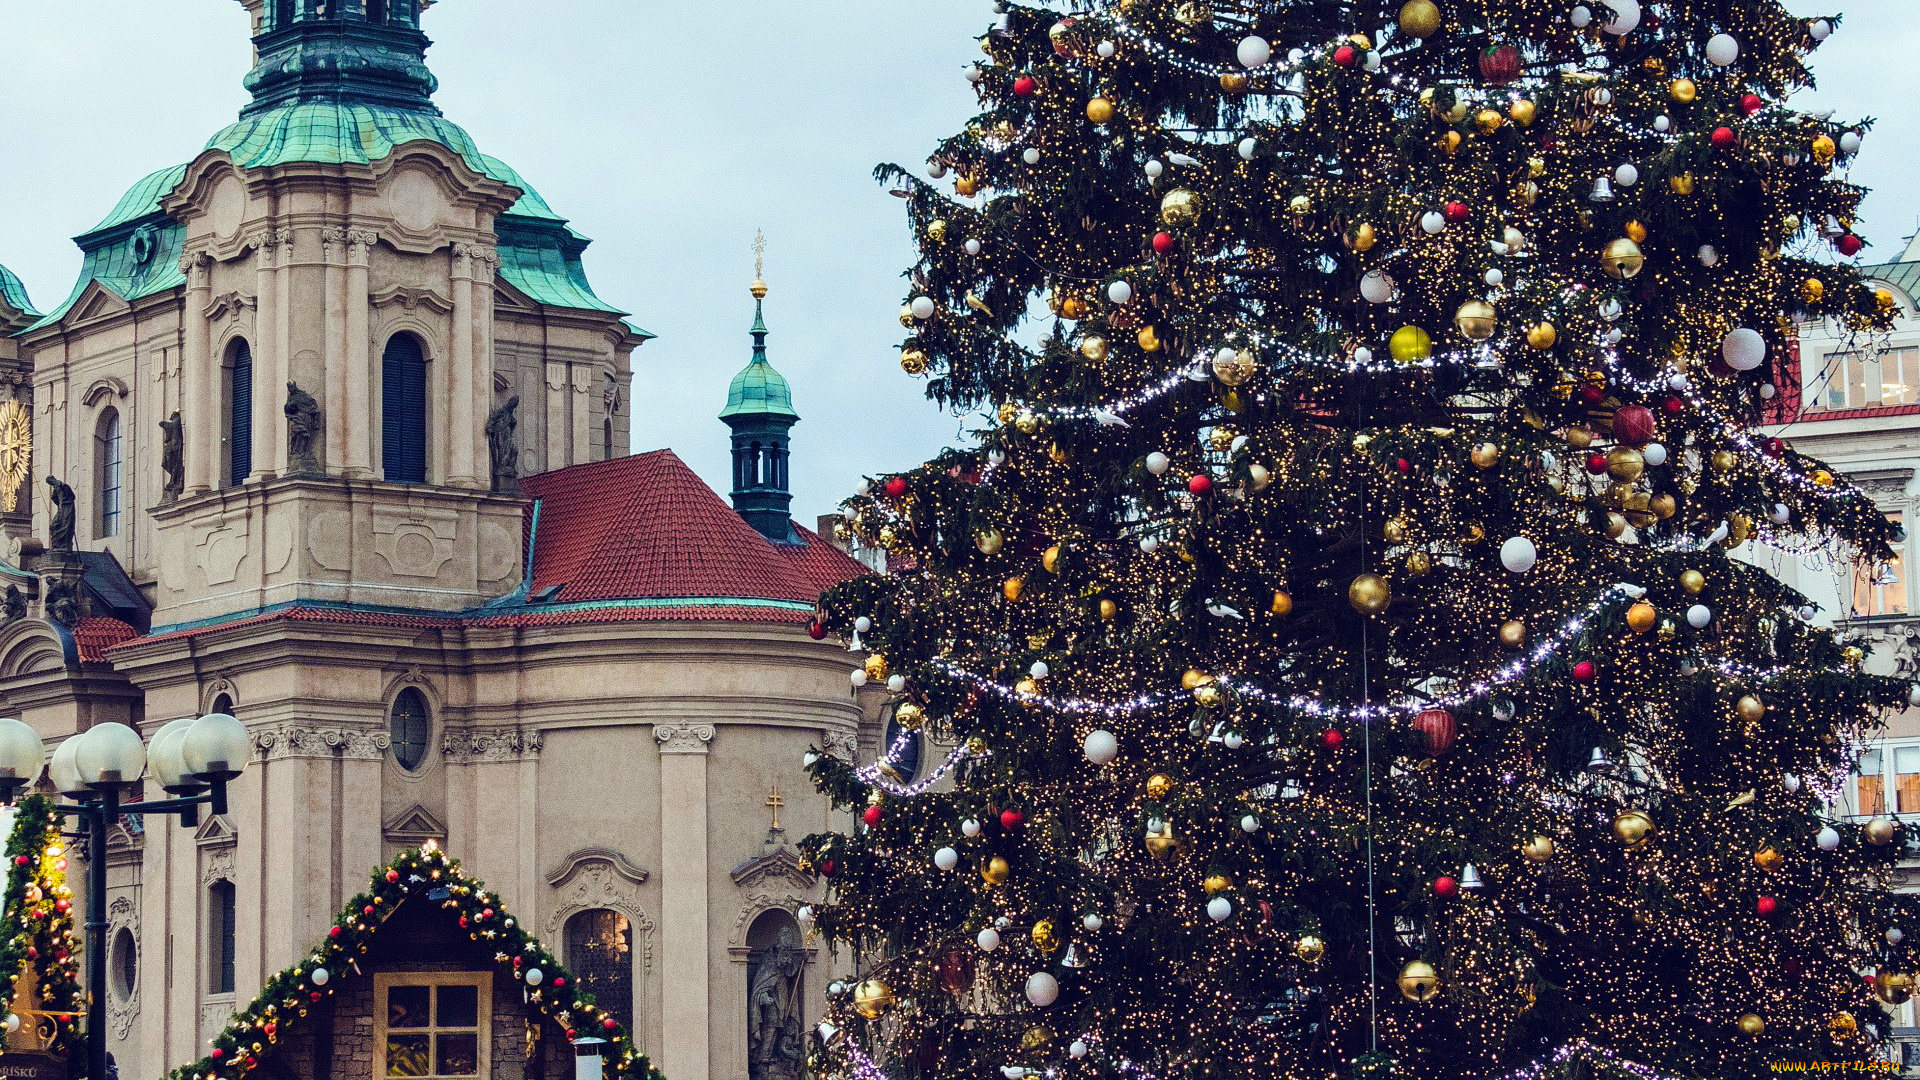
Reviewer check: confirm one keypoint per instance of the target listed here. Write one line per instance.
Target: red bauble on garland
(1500, 64)
(1724, 137)
(1633, 425)
(1010, 819)
(1675, 405)
(1766, 905)
(817, 630)
(393, 876)
(1163, 242)
(1346, 56)
(1849, 245)
(1200, 484)
(1592, 395)
(1439, 729)
(1596, 463)
(1583, 671)
(1026, 86)
(1403, 465)
(1751, 104)
(871, 815)
(1331, 738)
(896, 486)
(1445, 887)
(1458, 212)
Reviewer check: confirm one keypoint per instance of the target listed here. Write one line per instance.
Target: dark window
(107, 454)
(606, 438)
(600, 953)
(377, 11)
(403, 416)
(409, 725)
(282, 14)
(223, 703)
(220, 936)
(906, 758)
(239, 413)
(125, 960)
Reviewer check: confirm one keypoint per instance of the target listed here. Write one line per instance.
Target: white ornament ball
(1709, 256)
(1077, 1049)
(1042, 989)
(1722, 49)
(1627, 175)
(1219, 908)
(535, 976)
(1828, 838)
(1625, 18)
(1807, 613)
(1101, 747)
(1433, 222)
(1250, 824)
(1744, 349)
(1376, 287)
(13, 1023)
(1154, 169)
(896, 683)
(1895, 935)
(970, 827)
(805, 915)
(1655, 454)
(1248, 148)
(1679, 383)
(1031, 155)
(320, 976)
(858, 676)
(1850, 142)
(1663, 123)
(988, 940)
(937, 169)
(1149, 544)
(1373, 60)
(996, 458)
(1767, 391)
(1518, 554)
(1120, 292)
(862, 624)
(1039, 670)
(1158, 463)
(1363, 355)
(972, 246)
(923, 308)
(1699, 615)
(1254, 52)
(946, 858)
(1092, 921)
(1611, 308)
(1791, 783)
(1106, 49)
(1781, 514)
(1496, 277)
(1233, 740)
(1913, 695)
(975, 74)
(1581, 16)
(1820, 29)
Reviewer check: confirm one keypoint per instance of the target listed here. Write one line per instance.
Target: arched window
(606, 438)
(409, 726)
(107, 457)
(403, 410)
(282, 14)
(220, 937)
(776, 993)
(223, 703)
(239, 412)
(123, 964)
(600, 954)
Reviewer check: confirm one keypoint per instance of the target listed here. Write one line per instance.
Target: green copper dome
(13, 293)
(759, 390)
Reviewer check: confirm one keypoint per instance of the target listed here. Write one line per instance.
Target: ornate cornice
(571, 865)
(683, 738)
(300, 741)
(503, 744)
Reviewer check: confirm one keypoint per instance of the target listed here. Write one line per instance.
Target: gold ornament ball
(1683, 91)
(1681, 183)
(1513, 633)
(1013, 588)
(872, 998)
(1663, 506)
(1192, 677)
(1523, 111)
(1616, 525)
(1108, 609)
(1725, 460)
(907, 318)
(1026, 686)
(1542, 336)
(1823, 149)
(1369, 594)
(1050, 562)
(1159, 785)
(1750, 708)
(1282, 603)
(977, 745)
(967, 185)
(1626, 464)
(1636, 232)
(1148, 338)
(1236, 368)
(1768, 858)
(1893, 987)
(1410, 344)
(1235, 82)
(1632, 827)
(1420, 18)
(1622, 259)
(1475, 320)
(1095, 349)
(1641, 617)
(1419, 564)
(1488, 121)
(1161, 843)
(989, 541)
(995, 870)
(1486, 455)
(1580, 435)
(1812, 289)
(1394, 531)
(1361, 237)
(1258, 477)
(1217, 883)
(1100, 110)
(1879, 832)
(1073, 308)
(913, 361)
(1207, 694)
(1419, 982)
(1823, 477)
(876, 667)
(1300, 204)
(1842, 1027)
(1310, 949)
(1045, 938)
(937, 230)
(1693, 581)
(1751, 1024)
(1180, 207)
(1537, 850)
(1451, 142)
(909, 715)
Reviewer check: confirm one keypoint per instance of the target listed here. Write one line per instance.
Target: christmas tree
(1335, 624)
(39, 969)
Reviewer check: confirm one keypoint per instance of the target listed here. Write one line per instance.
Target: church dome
(759, 391)
(13, 296)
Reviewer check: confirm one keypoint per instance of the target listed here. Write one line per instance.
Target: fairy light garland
(874, 775)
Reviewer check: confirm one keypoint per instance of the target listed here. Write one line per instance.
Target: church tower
(760, 413)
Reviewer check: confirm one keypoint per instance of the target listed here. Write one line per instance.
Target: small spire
(759, 289)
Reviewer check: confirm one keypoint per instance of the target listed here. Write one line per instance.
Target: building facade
(333, 434)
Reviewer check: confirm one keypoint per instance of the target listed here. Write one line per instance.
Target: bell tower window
(403, 411)
(108, 450)
(239, 412)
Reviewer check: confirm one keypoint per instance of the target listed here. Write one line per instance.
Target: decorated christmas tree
(1336, 623)
(40, 995)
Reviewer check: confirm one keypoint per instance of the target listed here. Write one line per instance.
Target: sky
(670, 132)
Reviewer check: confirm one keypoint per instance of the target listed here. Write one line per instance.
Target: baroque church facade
(332, 435)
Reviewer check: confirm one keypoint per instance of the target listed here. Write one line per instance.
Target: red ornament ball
(1458, 211)
(1163, 242)
(572, 1034)
(1766, 905)
(1200, 484)
(560, 981)
(1773, 447)
(1403, 465)
(1345, 55)
(1596, 463)
(368, 910)
(1445, 887)
(313, 995)
(871, 815)
(393, 876)
(216, 1053)
(1751, 104)
(817, 630)
(20, 860)
(827, 868)
(1583, 671)
(1849, 245)
(1724, 137)
(1438, 729)
(1026, 86)
(1331, 738)
(1592, 395)
(609, 1023)
(1674, 405)
(334, 931)
(463, 922)
(896, 486)
(1633, 425)
(1011, 819)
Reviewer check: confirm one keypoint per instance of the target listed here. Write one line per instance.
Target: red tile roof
(93, 637)
(647, 527)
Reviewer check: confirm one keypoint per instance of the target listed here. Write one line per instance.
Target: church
(333, 435)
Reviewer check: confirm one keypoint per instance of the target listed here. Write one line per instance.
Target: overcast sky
(669, 132)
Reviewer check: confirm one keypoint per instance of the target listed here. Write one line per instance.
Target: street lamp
(193, 760)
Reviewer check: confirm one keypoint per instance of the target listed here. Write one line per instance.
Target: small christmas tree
(1334, 624)
(38, 965)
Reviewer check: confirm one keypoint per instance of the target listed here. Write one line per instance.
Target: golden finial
(759, 264)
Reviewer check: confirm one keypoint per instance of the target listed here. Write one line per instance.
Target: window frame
(383, 981)
(1870, 600)
(240, 407)
(397, 465)
(109, 473)
(629, 960)
(1889, 777)
(426, 735)
(223, 937)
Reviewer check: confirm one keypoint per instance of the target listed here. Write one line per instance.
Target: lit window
(431, 1024)
(1906, 779)
(1860, 381)
(600, 955)
(1880, 588)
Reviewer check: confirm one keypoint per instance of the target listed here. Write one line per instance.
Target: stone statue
(303, 427)
(15, 604)
(774, 1050)
(503, 447)
(63, 602)
(60, 528)
(173, 457)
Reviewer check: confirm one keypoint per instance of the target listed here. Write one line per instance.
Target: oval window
(409, 726)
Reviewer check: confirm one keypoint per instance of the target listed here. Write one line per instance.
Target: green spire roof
(14, 294)
(759, 391)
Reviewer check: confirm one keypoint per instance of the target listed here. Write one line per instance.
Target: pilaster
(684, 959)
(200, 390)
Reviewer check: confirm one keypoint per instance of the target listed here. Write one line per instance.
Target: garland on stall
(38, 918)
(428, 873)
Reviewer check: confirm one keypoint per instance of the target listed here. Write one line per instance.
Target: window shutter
(403, 418)
(240, 416)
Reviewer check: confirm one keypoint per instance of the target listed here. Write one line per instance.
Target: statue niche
(776, 971)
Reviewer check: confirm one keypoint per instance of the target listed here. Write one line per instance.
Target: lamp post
(192, 760)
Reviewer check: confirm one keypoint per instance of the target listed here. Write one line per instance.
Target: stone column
(684, 964)
(269, 390)
(200, 378)
(486, 268)
(473, 269)
(362, 379)
(333, 244)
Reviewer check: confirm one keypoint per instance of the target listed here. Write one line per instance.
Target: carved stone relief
(683, 738)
